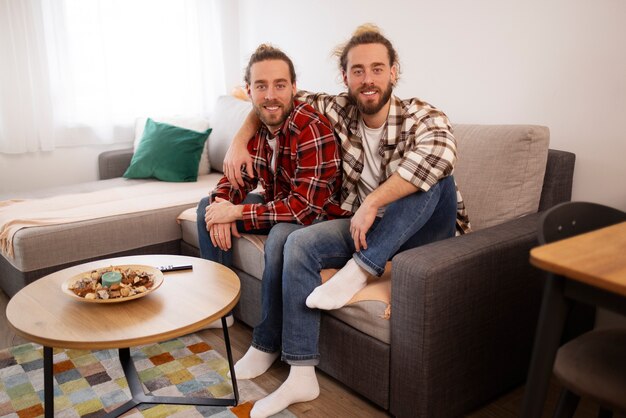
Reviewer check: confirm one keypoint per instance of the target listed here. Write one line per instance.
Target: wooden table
(186, 302)
(590, 268)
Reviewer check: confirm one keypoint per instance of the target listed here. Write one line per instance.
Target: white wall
(560, 63)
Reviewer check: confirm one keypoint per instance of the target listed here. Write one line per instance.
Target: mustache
(368, 88)
(272, 103)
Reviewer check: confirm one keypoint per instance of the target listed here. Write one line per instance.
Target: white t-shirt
(273, 143)
(370, 177)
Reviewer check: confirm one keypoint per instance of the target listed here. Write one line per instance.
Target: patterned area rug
(90, 383)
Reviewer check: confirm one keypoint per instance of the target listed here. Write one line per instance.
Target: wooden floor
(335, 400)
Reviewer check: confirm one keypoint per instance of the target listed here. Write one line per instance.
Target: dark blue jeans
(292, 274)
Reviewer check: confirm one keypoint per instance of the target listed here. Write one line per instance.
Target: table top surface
(596, 258)
(187, 301)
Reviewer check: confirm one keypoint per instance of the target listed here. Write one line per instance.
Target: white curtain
(79, 72)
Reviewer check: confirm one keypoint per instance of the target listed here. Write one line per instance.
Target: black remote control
(171, 267)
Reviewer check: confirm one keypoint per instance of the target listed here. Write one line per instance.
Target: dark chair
(594, 364)
(572, 218)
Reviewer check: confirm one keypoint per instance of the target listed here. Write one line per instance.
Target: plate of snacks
(113, 284)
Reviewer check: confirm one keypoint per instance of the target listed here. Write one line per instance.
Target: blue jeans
(414, 220)
(267, 335)
(207, 250)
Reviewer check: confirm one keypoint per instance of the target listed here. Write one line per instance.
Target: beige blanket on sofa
(134, 197)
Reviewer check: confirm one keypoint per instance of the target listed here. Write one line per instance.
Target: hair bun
(365, 28)
(265, 48)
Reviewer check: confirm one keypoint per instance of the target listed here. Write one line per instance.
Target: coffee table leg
(231, 366)
(48, 387)
(133, 380)
(139, 397)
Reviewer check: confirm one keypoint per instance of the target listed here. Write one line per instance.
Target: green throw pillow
(168, 153)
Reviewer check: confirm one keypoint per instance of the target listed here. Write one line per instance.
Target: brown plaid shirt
(417, 143)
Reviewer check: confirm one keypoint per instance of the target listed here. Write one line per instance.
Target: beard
(370, 108)
(273, 120)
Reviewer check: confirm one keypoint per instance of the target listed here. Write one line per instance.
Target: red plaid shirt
(307, 181)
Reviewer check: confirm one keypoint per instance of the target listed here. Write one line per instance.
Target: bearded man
(296, 162)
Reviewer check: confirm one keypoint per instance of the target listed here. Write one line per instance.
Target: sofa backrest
(500, 170)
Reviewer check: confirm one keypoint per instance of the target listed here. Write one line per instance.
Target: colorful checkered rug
(90, 383)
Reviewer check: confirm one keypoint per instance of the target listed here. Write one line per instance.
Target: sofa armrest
(114, 163)
(464, 312)
(558, 179)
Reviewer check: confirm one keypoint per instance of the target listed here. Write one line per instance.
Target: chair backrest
(572, 218)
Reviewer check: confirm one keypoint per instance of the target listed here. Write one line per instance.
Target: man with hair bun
(398, 157)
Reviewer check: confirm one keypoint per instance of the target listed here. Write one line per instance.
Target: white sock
(340, 288)
(254, 363)
(300, 386)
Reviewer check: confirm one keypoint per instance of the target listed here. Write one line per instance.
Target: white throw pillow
(194, 123)
(226, 119)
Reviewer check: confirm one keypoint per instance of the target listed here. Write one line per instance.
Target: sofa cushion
(370, 309)
(500, 170)
(226, 119)
(168, 153)
(247, 253)
(194, 123)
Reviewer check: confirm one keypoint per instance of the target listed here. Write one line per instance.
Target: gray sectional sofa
(463, 310)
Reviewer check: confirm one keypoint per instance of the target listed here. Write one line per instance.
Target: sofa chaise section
(40, 250)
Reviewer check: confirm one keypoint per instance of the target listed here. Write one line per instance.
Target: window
(81, 71)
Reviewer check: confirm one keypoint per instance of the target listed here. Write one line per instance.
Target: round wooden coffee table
(187, 301)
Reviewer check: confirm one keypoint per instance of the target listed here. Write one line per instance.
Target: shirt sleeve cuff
(409, 175)
(249, 216)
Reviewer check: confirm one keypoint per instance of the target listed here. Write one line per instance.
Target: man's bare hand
(360, 223)
(236, 157)
(221, 235)
(222, 212)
